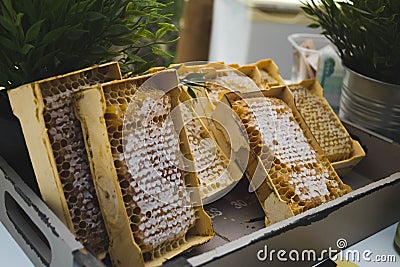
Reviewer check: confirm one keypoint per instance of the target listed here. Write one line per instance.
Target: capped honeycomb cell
(234, 81)
(54, 139)
(156, 185)
(302, 177)
(133, 141)
(323, 123)
(210, 162)
(219, 78)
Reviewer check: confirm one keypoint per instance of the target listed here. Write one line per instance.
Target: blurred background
(239, 31)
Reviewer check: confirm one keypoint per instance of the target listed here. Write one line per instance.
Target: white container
(315, 57)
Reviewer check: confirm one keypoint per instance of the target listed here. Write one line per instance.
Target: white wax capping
(208, 157)
(236, 82)
(290, 146)
(153, 166)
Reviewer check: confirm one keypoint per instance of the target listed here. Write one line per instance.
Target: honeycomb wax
(299, 175)
(57, 150)
(323, 123)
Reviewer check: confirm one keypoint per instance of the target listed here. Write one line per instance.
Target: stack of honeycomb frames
(148, 243)
(280, 173)
(57, 150)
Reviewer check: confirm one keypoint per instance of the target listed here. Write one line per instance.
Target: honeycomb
(210, 162)
(323, 123)
(229, 81)
(146, 161)
(266, 77)
(235, 81)
(301, 176)
(269, 73)
(65, 135)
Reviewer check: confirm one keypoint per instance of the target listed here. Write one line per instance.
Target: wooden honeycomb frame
(232, 170)
(29, 104)
(272, 69)
(149, 71)
(207, 108)
(252, 72)
(345, 165)
(126, 251)
(270, 198)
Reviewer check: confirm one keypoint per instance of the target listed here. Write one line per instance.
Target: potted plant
(44, 38)
(367, 36)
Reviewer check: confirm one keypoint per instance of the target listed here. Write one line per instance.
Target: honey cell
(302, 178)
(65, 135)
(323, 123)
(146, 159)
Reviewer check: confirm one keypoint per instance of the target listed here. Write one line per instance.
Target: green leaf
(137, 59)
(196, 77)
(135, 13)
(121, 41)
(26, 48)
(158, 51)
(33, 32)
(75, 34)
(9, 7)
(131, 6)
(307, 10)
(19, 19)
(313, 25)
(381, 9)
(99, 50)
(118, 30)
(53, 35)
(82, 5)
(7, 24)
(45, 61)
(169, 26)
(94, 16)
(8, 44)
(146, 34)
(164, 29)
(191, 92)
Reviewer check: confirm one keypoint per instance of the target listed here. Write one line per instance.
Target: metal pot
(370, 103)
(397, 238)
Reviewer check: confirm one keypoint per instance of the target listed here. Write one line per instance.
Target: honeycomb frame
(215, 70)
(270, 67)
(213, 95)
(271, 197)
(103, 164)
(55, 144)
(253, 73)
(357, 153)
(209, 111)
(233, 173)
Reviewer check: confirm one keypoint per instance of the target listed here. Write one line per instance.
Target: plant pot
(370, 103)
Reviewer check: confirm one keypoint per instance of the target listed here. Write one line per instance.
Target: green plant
(366, 33)
(43, 38)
